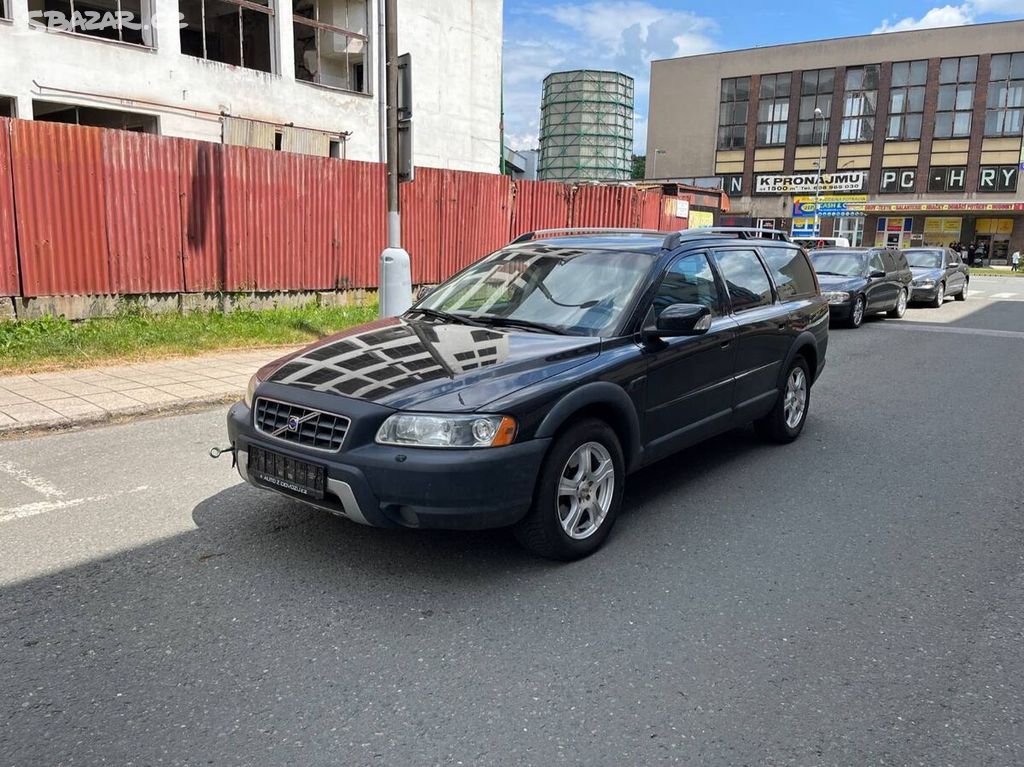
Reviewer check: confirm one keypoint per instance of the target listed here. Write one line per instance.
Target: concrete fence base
(89, 307)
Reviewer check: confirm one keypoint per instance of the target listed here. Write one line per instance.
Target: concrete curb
(115, 415)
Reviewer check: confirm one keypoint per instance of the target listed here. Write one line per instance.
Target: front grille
(300, 425)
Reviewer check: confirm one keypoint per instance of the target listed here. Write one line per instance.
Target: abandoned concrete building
(292, 75)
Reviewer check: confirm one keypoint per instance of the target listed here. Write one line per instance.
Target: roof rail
(740, 232)
(542, 233)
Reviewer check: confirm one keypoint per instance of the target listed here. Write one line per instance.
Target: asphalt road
(854, 598)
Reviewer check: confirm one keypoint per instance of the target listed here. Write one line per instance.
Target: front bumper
(919, 293)
(840, 311)
(387, 486)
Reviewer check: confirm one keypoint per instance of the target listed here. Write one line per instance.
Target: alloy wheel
(901, 304)
(795, 402)
(858, 312)
(585, 490)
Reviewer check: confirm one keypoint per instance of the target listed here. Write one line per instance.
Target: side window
(876, 264)
(901, 261)
(952, 258)
(792, 273)
(689, 280)
(890, 262)
(745, 279)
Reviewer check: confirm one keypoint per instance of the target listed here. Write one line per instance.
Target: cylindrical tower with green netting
(586, 126)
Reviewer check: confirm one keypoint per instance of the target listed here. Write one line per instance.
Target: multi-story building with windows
(917, 135)
(299, 75)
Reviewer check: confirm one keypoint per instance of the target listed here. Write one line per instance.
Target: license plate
(286, 473)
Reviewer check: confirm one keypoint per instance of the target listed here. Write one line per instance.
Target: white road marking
(911, 325)
(32, 482)
(43, 507)
(1002, 295)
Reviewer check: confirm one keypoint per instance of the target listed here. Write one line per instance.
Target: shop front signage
(898, 180)
(700, 218)
(849, 181)
(830, 206)
(997, 178)
(970, 206)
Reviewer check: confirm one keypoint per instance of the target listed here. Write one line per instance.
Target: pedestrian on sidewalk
(1015, 261)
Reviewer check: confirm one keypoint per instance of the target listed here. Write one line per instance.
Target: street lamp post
(817, 179)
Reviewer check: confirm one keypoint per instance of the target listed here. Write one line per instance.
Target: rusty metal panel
(422, 224)
(362, 210)
(60, 198)
(476, 217)
(9, 283)
(200, 186)
(305, 141)
(611, 206)
(650, 207)
(540, 205)
(238, 131)
(140, 175)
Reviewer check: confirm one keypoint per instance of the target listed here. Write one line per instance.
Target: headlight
(923, 282)
(413, 429)
(250, 391)
(836, 296)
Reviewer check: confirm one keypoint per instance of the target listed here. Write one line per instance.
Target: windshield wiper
(447, 316)
(832, 274)
(525, 324)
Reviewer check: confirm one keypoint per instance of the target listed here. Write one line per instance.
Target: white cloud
(946, 16)
(953, 15)
(620, 35)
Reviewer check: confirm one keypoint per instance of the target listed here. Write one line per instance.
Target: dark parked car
(523, 390)
(861, 281)
(938, 272)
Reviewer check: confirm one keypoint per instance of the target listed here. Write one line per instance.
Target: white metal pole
(395, 292)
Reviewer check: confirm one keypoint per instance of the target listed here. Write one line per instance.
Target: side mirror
(681, 320)
(424, 290)
(875, 274)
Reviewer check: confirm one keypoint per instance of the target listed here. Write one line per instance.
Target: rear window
(745, 278)
(793, 275)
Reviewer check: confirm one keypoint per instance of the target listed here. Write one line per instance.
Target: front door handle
(726, 343)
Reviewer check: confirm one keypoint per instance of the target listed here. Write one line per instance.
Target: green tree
(639, 166)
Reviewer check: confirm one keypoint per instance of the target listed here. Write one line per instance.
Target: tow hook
(217, 452)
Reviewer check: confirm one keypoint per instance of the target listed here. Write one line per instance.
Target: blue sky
(625, 35)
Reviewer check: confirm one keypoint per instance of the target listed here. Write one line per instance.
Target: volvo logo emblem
(293, 424)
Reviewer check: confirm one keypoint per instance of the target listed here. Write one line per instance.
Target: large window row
(903, 117)
(330, 37)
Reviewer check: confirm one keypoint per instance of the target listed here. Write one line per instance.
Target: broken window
(331, 43)
(6, 106)
(236, 32)
(125, 21)
(72, 114)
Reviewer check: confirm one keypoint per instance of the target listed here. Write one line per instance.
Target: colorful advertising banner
(942, 207)
(830, 206)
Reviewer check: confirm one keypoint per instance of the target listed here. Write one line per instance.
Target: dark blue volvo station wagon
(524, 390)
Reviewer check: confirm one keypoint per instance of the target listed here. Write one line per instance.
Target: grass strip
(54, 343)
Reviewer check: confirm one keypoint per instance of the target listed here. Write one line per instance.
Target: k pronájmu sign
(850, 181)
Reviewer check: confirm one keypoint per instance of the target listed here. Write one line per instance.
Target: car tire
(940, 296)
(962, 295)
(856, 318)
(901, 305)
(784, 424)
(545, 530)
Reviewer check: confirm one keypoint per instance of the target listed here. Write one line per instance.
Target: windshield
(842, 263)
(569, 290)
(925, 259)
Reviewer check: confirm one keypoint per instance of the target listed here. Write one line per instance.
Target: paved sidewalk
(90, 395)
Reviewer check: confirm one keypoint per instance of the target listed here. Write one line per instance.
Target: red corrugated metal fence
(9, 283)
(91, 211)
